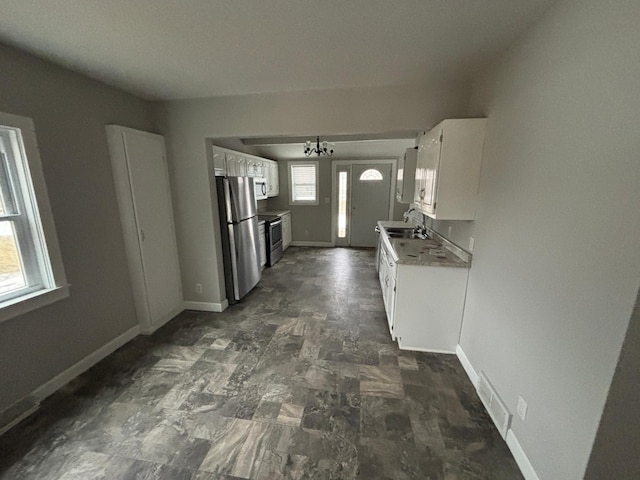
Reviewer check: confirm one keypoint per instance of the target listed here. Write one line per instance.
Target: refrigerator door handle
(234, 262)
(227, 199)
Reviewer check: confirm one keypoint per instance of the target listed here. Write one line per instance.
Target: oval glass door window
(371, 175)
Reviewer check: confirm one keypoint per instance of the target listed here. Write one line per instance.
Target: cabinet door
(275, 181)
(242, 167)
(286, 230)
(144, 199)
(219, 163)
(251, 167)
(419, 183)
(400, 178)
(232, 165)
(431, 156)
(259, 168)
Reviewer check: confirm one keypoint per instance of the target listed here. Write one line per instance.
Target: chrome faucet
(406, 214)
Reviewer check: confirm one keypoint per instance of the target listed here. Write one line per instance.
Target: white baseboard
(512, 442)
(169, 316)
(16, 413)
(311, 244)
(466, 364)
(83, 365)
(520, 457)
(207, 306)
(425, 350)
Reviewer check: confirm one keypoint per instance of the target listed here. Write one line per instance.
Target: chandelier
(319, 149)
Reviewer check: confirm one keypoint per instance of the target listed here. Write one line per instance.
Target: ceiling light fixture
(318, 150)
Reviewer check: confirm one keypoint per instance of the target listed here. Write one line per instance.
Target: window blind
(303, 183)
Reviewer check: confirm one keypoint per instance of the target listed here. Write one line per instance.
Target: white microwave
(260, 187)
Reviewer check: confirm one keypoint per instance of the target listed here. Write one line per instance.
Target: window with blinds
(303, 183)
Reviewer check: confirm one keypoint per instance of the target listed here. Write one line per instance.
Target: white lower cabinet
(286, 230)
(423, 303)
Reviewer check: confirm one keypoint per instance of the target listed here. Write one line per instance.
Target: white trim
(27, 303)
(520, 457)
(311, 244)
(31, 407)
(206, 306)
(512, 442)
(426, 350)
(466, 364)
(60, 380)
(162, 320)
(43, 391)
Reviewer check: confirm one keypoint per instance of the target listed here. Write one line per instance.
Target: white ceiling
(170, 49)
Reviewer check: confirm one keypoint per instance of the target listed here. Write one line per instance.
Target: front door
(370, 191)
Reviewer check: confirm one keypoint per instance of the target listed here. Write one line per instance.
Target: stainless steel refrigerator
(240, 241)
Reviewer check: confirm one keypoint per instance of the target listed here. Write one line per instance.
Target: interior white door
(370, 190)
(153, 212)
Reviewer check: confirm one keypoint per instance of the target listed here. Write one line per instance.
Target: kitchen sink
(399, 232)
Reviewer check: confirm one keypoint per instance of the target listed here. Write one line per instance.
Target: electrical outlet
(471, 243)
(198, 288)
(521, 408)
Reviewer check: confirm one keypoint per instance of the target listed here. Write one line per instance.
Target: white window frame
(32, 219)
(290, 166)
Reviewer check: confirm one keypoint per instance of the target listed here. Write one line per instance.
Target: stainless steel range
(273, 232)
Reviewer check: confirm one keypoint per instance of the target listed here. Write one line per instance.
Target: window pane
(371, 175)
(342, 205)
(303, 183)
(11, 272)
(7, 203)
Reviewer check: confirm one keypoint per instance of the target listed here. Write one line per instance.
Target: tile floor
(299, 381)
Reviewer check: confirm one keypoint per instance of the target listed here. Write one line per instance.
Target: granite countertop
(436, 251)
(277, 213)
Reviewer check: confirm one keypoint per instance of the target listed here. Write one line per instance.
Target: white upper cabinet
(236, 164)
(448, 169)
(219, 162)
(273, 183)
(242, 167)
(405, 177)
(232, 165)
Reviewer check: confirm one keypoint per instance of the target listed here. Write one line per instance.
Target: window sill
(27, 303)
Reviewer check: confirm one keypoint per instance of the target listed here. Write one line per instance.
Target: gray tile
(299, 380)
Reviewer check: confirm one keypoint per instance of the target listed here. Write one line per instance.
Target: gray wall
(309, 223)
(615, 451)
(557, 265)
(186, 124)
(69, 112)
